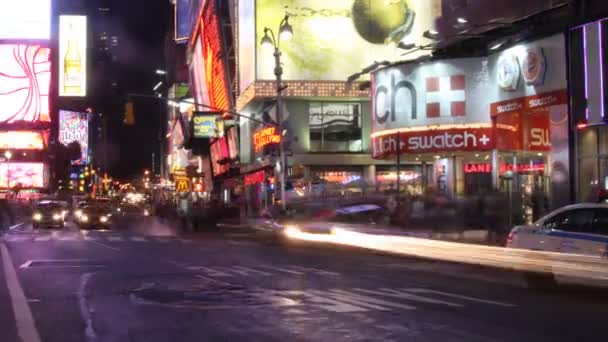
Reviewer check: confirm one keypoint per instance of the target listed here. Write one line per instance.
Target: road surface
(148, 284)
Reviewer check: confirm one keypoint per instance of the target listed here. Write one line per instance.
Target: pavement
(149, 283)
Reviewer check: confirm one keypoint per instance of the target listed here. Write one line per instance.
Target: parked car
(576, 229)
(49, 214)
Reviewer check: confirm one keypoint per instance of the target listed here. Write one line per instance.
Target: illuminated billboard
(22, 140)
(204, 125)
(335, 39)
(74, 126)
(25, 19)
(73, 55)
(214, 67)
(25, 78)
(26, 175)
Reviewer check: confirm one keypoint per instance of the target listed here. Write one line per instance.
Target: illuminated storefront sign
(219, 152)
(255, 178)
(204, 125)
(19, 140)
(72, 55)
(25, 19)
(519, 168)
(434, 140)
(182, 184)
(265, 137)
(25, 78)
(74, 126)
(25, 175)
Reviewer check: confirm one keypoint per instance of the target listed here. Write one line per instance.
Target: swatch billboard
(74, 126)
(25, 78)
(335, 39)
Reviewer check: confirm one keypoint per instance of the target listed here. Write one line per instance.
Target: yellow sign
(73, 55)
(204, 125)
(182, 185)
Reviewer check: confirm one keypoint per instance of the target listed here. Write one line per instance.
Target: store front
(475, 125)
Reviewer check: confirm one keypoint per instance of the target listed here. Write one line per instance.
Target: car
(95, 216)
(576, 229)
(49, 214)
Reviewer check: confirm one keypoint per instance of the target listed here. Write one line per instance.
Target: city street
(151, 285)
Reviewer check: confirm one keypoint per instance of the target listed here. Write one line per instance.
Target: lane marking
(17, 238)
(281, 269)
(68, 238)
(317, 271)
(85, 310)
(458, 296)
(114, 238)
(246, 271)
(186, 240)
(16, 226)
(104, 245)
(42, 238)
(405, 295)
(212, 272)
(26, 328)
(366, 301)
(26, 264)
(138, 239)
(318, 300)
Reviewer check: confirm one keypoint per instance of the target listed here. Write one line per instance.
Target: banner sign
(265, 136)
(204, 125)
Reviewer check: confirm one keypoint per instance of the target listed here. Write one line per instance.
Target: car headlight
(84, 218)
(57, 217)
(103, 219)
(78, 213)
(37, 216)
(292, 231)
(146, 212)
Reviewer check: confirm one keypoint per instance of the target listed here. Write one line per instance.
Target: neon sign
(19, 140)
(255, 178)
(487, 168)
(265, 137)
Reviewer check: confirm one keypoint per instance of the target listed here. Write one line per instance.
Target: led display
(73, 55)
(22, 140)
(74, 126)
(25, 19)
(25, 76)
(26, 175)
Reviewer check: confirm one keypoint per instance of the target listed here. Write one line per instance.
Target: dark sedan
(49, 214)
(95, 217)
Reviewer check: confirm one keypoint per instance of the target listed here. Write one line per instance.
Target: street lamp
(8, 155)
(269, 40)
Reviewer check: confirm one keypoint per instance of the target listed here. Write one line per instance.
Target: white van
(577, 229)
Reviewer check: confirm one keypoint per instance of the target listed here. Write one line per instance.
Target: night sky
(141, 26)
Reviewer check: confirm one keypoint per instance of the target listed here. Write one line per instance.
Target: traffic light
(129, 114)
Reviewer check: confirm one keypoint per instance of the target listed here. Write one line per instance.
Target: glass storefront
(592, 166)
(412, 178)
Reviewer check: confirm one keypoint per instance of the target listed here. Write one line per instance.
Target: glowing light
(430, 128)
(74, 126)
(22, 140)
(601, 59)
(264, 137)
(585, 69)
(37, 217)
(28, 175)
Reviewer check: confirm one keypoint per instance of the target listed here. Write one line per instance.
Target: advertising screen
(72, 55)
(219, 151)
(19, 140)
(74, 126)
(233, 143)
(25, 19)
(27, 175)
(335, 39)
(25, 78)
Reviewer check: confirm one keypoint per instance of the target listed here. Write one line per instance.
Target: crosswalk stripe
(67, 238)
(138, 239)
(366, 301)
(246, 271)
(281, 269)
(115, 238)
(459, 296)
(405, 295)
(42, 238)
(315, 270)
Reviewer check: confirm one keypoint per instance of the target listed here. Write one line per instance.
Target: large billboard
(26, 175)
(74, 126)
(25, 19)
(335, 39)
(73, 55)
(22, 140)
(25, 78)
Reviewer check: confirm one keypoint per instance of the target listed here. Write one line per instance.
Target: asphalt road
(148, 284)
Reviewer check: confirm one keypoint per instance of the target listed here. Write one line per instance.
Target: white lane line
(105, 246)
(26, 264)
(212, 272)
(26, 328)
(138, 239)
(85, 310)
(42, 238)
(16, 226)
(246, 271)
(458, 296)
(367, 301)
(317, 271)
(114, 238)
(68, 238)
(17, 238)
(405, 295)
(281, 269)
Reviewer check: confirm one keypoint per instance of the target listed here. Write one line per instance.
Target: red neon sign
(264, 137)
(25, 78)
(487, 168)
(255, 178)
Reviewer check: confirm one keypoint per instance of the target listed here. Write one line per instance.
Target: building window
(335, 127)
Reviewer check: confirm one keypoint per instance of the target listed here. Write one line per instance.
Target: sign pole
(278, 71)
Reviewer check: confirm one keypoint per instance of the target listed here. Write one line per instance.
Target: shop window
(335, 127)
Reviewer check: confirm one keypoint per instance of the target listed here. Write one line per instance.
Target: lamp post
(8, 155)
(269, 40)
